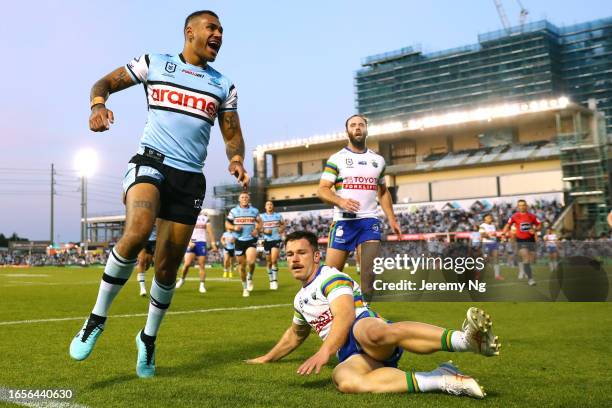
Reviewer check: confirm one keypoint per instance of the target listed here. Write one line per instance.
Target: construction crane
(504, 18)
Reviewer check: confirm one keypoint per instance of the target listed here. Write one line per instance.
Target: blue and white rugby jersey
(245, 218)
(230, 238)
(272, 222)
(199, 230)
(183, 101)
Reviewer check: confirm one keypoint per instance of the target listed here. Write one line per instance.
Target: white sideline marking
(25, 275)
(40, 403)
(179, 312)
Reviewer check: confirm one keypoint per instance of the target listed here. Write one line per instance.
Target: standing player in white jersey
(145, 260)
(164, 179)
(368, 346)
(197, 248)
(352, 180)
(273, 228)
(490, 245)
(552, 240)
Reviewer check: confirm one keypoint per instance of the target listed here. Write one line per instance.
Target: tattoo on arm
(142, 204)
(116, 81)
(232, 134)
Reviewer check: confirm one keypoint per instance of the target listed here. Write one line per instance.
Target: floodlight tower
(85, 162)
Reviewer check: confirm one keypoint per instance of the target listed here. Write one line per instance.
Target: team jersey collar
(364, 152)
(184, 61)
(315, 276)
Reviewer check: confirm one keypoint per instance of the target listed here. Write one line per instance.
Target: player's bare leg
(379, 338)
(202, 267)
(145, 260)
(367, 252)
(187, 261)
(362, 374)
(172, 240)
(243, 274)
(272, 260)
(251, 257)
(142, 206)
(336, 258)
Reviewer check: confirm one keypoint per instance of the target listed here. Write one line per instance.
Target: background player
(145, 260)
(490, 245)
(368, 346)
(552, 240)
(273, 228)
(228, 241)
(197, 248)
(352, 180)
(164, 179)
(527, 225)
(245, 221)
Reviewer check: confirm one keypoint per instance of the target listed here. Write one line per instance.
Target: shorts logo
(170, 67)
(339, 231)
(375, 227)
(197, 203)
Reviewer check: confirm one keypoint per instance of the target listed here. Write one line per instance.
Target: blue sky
(293, 64)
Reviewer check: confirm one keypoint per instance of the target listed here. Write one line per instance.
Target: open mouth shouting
(214, 44)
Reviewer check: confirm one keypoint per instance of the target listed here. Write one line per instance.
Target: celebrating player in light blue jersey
(164, 179)
(273, 227)
(368, 346)
(352, 181)
(245, 221)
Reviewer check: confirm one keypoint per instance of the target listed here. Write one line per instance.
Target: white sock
(428, 381)
(244, 285)
(250, 276)
(459, 341)
(497, 270)
(521, 269)
(141, 280)
(161, 296)
(116, 272)
(274, 273)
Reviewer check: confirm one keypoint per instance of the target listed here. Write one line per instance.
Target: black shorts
(528, 243)
(150, 247)
(230, 252)
(242, 246)
(268, 245)
(181, 192)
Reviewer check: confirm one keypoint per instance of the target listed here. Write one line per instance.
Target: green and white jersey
(312, 303)
(356, 176)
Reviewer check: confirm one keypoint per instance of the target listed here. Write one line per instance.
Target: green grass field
(554, 354)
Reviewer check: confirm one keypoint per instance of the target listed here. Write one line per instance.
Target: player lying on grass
(368, 346)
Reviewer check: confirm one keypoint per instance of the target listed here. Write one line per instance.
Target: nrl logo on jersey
(170, 67)
(349, 161)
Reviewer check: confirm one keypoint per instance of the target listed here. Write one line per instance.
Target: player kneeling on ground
(368, 346)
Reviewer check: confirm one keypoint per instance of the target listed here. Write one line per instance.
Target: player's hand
(100, 118)
(396, 228)
(349, 205)
(237, 170)
(237, 228)
(258, 360)
(254, 233)
(314, 363)
(191, 245)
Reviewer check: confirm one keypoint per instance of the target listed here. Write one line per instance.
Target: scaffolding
(583, 143)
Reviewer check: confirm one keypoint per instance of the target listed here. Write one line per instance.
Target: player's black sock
(97, 319)
(147, 339)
